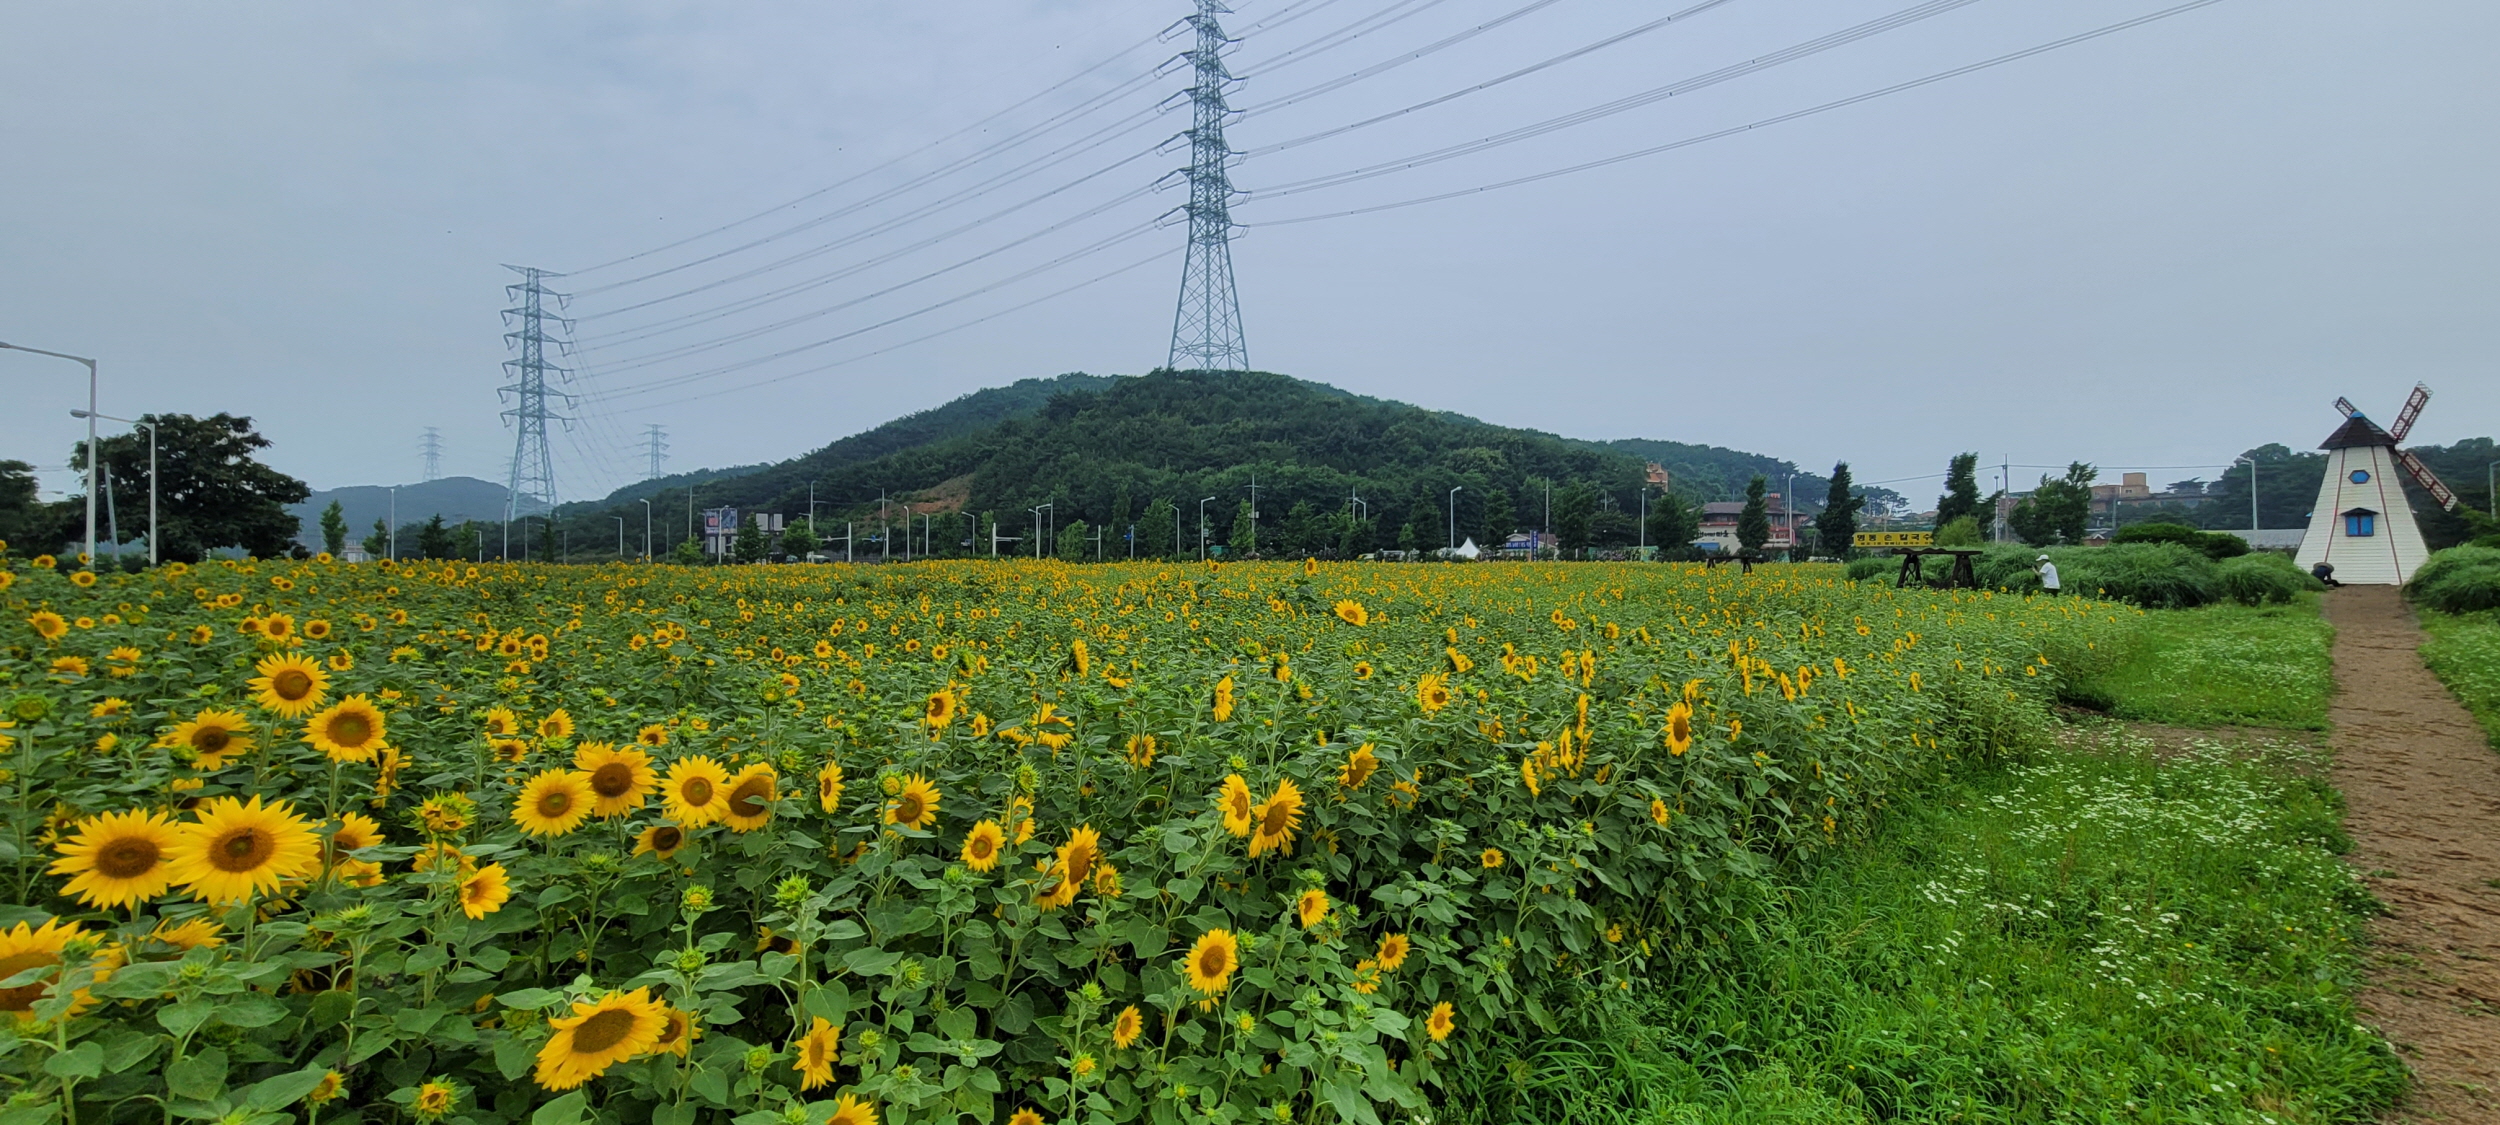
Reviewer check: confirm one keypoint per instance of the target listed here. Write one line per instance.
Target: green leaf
(186, 1017)
(872, 962)
(202, 1076)
(514, 1056)
(566, 1110)
(712, 1085)
(677, 1113)
(250, 1011)
(284, 1090)
(85, 1060)
(529, 999)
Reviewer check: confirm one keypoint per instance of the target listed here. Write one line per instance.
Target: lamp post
(1037, 527)
(2252, 493)
(1454, 519)
(395, 525)
(2488, 494)
(91, 459)
(620, 537)
(151, 428)
(1202, 529)
(646, 531)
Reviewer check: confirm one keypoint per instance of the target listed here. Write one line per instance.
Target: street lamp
(395, 526)
(1202, 528)
(91, 458)
(646, 531)
(1037, 526)
(1454, 517)
(620, 537)
(2252, 494)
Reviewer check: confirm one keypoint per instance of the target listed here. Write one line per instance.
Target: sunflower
(1430, 693)
(1359, 767)
(484, 891)
(751, 797)
(817, 1051)
(983, 844)
(620, 778)
(26, 947)
(848, 1110)
(654, 736)
(117, 859)
(1527, 773)
(341, 661)
(1658, 811)
(829, 787)
(437, 853)
(916, 806)
(212, 736)
(553, 803)
(48, 625)
(1071, 867)
(1237, 804)
(1127, 1026)
(502, 723)
(599, 1034)
(198, 933)
(1491, 859)
(1224, 699)
(1679, 732)
(678, 1034)
(234, 850)
(445, 813)
(661, 840)
(1352, 612)
(510, 751)
(939, 711)
(1276, 818)
(1442, 1020)
(1025, 1117)
(557, 724)
(1079, 660)
(1311, 908)
(1393, 951)
(1141, 750)
(696, 792)
(1362, 669)
(277, 626)
(350, 730)
(202, 634)
(332, 1087)
(1211, 962)
(288, 686)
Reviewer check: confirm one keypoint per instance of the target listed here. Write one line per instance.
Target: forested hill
(1106, 451)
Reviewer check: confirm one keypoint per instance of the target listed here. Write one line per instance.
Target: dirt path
(2422, 793)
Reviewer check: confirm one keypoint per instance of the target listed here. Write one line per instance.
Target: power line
(1206, 323)
(1343, 35)
(1394, 63)
(1687, 142)
(533, 465)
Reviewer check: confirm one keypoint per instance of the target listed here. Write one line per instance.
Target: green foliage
(1674, 523)
(2458, 580)
(334, 529)
(1872, 567)
(1836, 528)
(2153, 575)
(2287, 484)
(2085, 939)
(1499, 519)
(1160, 534)
(1076, 542)
(2056, 511)
(2222, 665)
(751, 544)
(1961, 490)
(2268, 577)
(798, 540)
(434, 540)
(1960, 531)
(378, 544)
(687, 552)
(1575, 509)
(1753, 525)
(2464, 652)
(212, 490)
(1244, 538)
(2214, 545)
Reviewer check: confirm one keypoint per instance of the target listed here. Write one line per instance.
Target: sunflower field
(988, 841)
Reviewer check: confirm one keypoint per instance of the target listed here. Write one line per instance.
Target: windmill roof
(2356, 431)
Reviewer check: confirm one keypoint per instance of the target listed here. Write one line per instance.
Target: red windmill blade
(2421, 475)
(2413, 409)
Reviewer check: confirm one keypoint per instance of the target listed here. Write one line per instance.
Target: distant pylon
(432, 449)
(533, 462)
(1206, 329)
(657, 451)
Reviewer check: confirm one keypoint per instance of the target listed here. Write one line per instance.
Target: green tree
(1499, 520)
(378, 544)
(1674, 523)
(1613, 529)
(466, 544)
(1244, 540)
(1076, 542)
(1575, 506)
(1161, 516)
(1837, 526)
(1961, 489)
(798, 540)
(434, 539)
(1354, 536)
(213, 492)
(1753, 525)
(751, 545)
(1962, 531)
(2056, 511)
(687, 552)
(333, 529)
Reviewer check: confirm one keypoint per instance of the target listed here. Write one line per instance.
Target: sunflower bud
(790, 892)
(691, 961)
(758, 1059)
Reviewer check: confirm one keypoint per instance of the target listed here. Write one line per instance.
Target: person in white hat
(2048, 576)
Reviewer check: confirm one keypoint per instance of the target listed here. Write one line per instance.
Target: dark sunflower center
(291, 684)
(350, 730)
(127, 858)
(210, 740)
(668, 839)
(1683, 728)
(613, 780)
(476, 890)
(671, 1032)
(908, 810)
(697, 791)
(22, 998)
(983, 847)
(602, 1031)
(1278, 820)
(749, 799)
(1214, 962)
(554, 803)
(239, 850)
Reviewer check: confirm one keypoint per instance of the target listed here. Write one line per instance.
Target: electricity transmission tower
(1206, 329)
(657, 440)
(432, 449)
(533, 462)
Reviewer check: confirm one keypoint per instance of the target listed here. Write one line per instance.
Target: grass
(2464, 652)
(2223, 665)
(2103, 935)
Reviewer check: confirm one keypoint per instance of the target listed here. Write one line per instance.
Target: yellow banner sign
(1895, 539)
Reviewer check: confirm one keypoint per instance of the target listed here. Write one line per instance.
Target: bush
(2458, 580)
(2214, 545)
(1878, 566)
(2153, 575)
(2261, 578)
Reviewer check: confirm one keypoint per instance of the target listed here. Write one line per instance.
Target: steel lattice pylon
(1206, 329)
(533, 463)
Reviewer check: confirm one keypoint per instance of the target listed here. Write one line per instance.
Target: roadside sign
(1894, 539)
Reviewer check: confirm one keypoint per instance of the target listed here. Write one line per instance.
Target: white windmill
(2361, 524)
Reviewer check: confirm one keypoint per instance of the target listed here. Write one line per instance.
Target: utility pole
(395, 522)
(646, 531)
(1254, 513)
(1454, 518)
(1202, 529)
(655, 451)
(1206, 327)
(431, 449)
(117, 530)
(91, 451)
(533, 463)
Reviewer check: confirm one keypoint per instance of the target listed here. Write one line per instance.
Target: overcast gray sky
(2152, 249)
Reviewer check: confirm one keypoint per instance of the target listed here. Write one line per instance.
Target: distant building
(1659, 477)
(2106, 498)
(1525, 544)
(1718, 525)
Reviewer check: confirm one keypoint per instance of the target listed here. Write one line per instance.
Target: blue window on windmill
(2361, 476)
(2360, 523)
